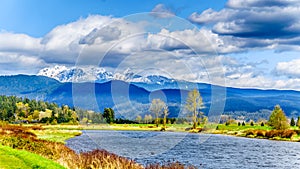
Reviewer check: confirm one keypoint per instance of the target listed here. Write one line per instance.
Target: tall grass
(19, 137)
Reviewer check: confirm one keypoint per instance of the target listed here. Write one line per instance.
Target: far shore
(256, 131)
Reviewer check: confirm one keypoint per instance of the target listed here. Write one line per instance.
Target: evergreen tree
(109, 115)
(292, 122)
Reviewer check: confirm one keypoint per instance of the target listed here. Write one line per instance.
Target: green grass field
(235, 127)
(15, 159)
(56, 135)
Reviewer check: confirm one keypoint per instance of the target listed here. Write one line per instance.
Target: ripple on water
(217, 151)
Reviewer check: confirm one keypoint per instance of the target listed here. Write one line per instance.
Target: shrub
(260, 133)
(297, 131)
(250, 132)
(243, 124)
(273, 133)
(288, 133)
(262, 124)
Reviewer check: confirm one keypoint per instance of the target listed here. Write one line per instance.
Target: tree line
(17, 109)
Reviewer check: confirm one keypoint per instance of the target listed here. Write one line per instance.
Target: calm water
(203, 151)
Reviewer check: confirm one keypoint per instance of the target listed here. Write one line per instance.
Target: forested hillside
(16, 109)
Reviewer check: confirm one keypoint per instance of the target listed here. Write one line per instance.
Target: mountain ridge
(129, 99)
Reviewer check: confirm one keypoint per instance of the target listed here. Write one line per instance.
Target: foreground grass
(11, 158)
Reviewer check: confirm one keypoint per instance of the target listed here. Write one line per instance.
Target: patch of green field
(235, 127)
(56, 135)
(15, 159)
(137, 127)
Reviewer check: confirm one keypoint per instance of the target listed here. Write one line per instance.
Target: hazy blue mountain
(129, 99)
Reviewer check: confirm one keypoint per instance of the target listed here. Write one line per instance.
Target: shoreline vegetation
(248, 131)
(31, 141)
(47, 142)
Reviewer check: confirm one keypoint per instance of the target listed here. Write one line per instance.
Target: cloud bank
(198, 55)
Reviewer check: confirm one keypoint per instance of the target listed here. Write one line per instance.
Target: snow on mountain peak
(98, 74)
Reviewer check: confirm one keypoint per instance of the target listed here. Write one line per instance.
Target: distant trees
(298, 122)
(157, 107)
(88, 116)
(165, 112)
(148, 118)
(193, 104)
(277, 119)
(292, 123)
(15, 109)
(109, 115)
(138, 118)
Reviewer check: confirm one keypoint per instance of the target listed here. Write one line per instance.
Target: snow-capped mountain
(100, 75)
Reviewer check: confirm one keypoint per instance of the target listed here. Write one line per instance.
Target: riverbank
(47, 142)
(255, 131)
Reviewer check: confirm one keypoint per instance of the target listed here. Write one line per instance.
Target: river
(200, 150)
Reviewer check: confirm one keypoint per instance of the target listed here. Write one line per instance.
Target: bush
(273, 133)
(288, 133)
(260, 133)
(297, 131)
(281, 133)
(250, 132)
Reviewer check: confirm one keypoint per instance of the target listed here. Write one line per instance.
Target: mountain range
(132, 94)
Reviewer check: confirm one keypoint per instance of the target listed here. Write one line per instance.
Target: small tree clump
(262, 124)
(251, 123)
(239, 124)
(243, 124)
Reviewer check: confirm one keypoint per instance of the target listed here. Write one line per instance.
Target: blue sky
(247, 44)
(37, 18)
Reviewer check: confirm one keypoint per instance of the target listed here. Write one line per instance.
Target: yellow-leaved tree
(194, 104)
